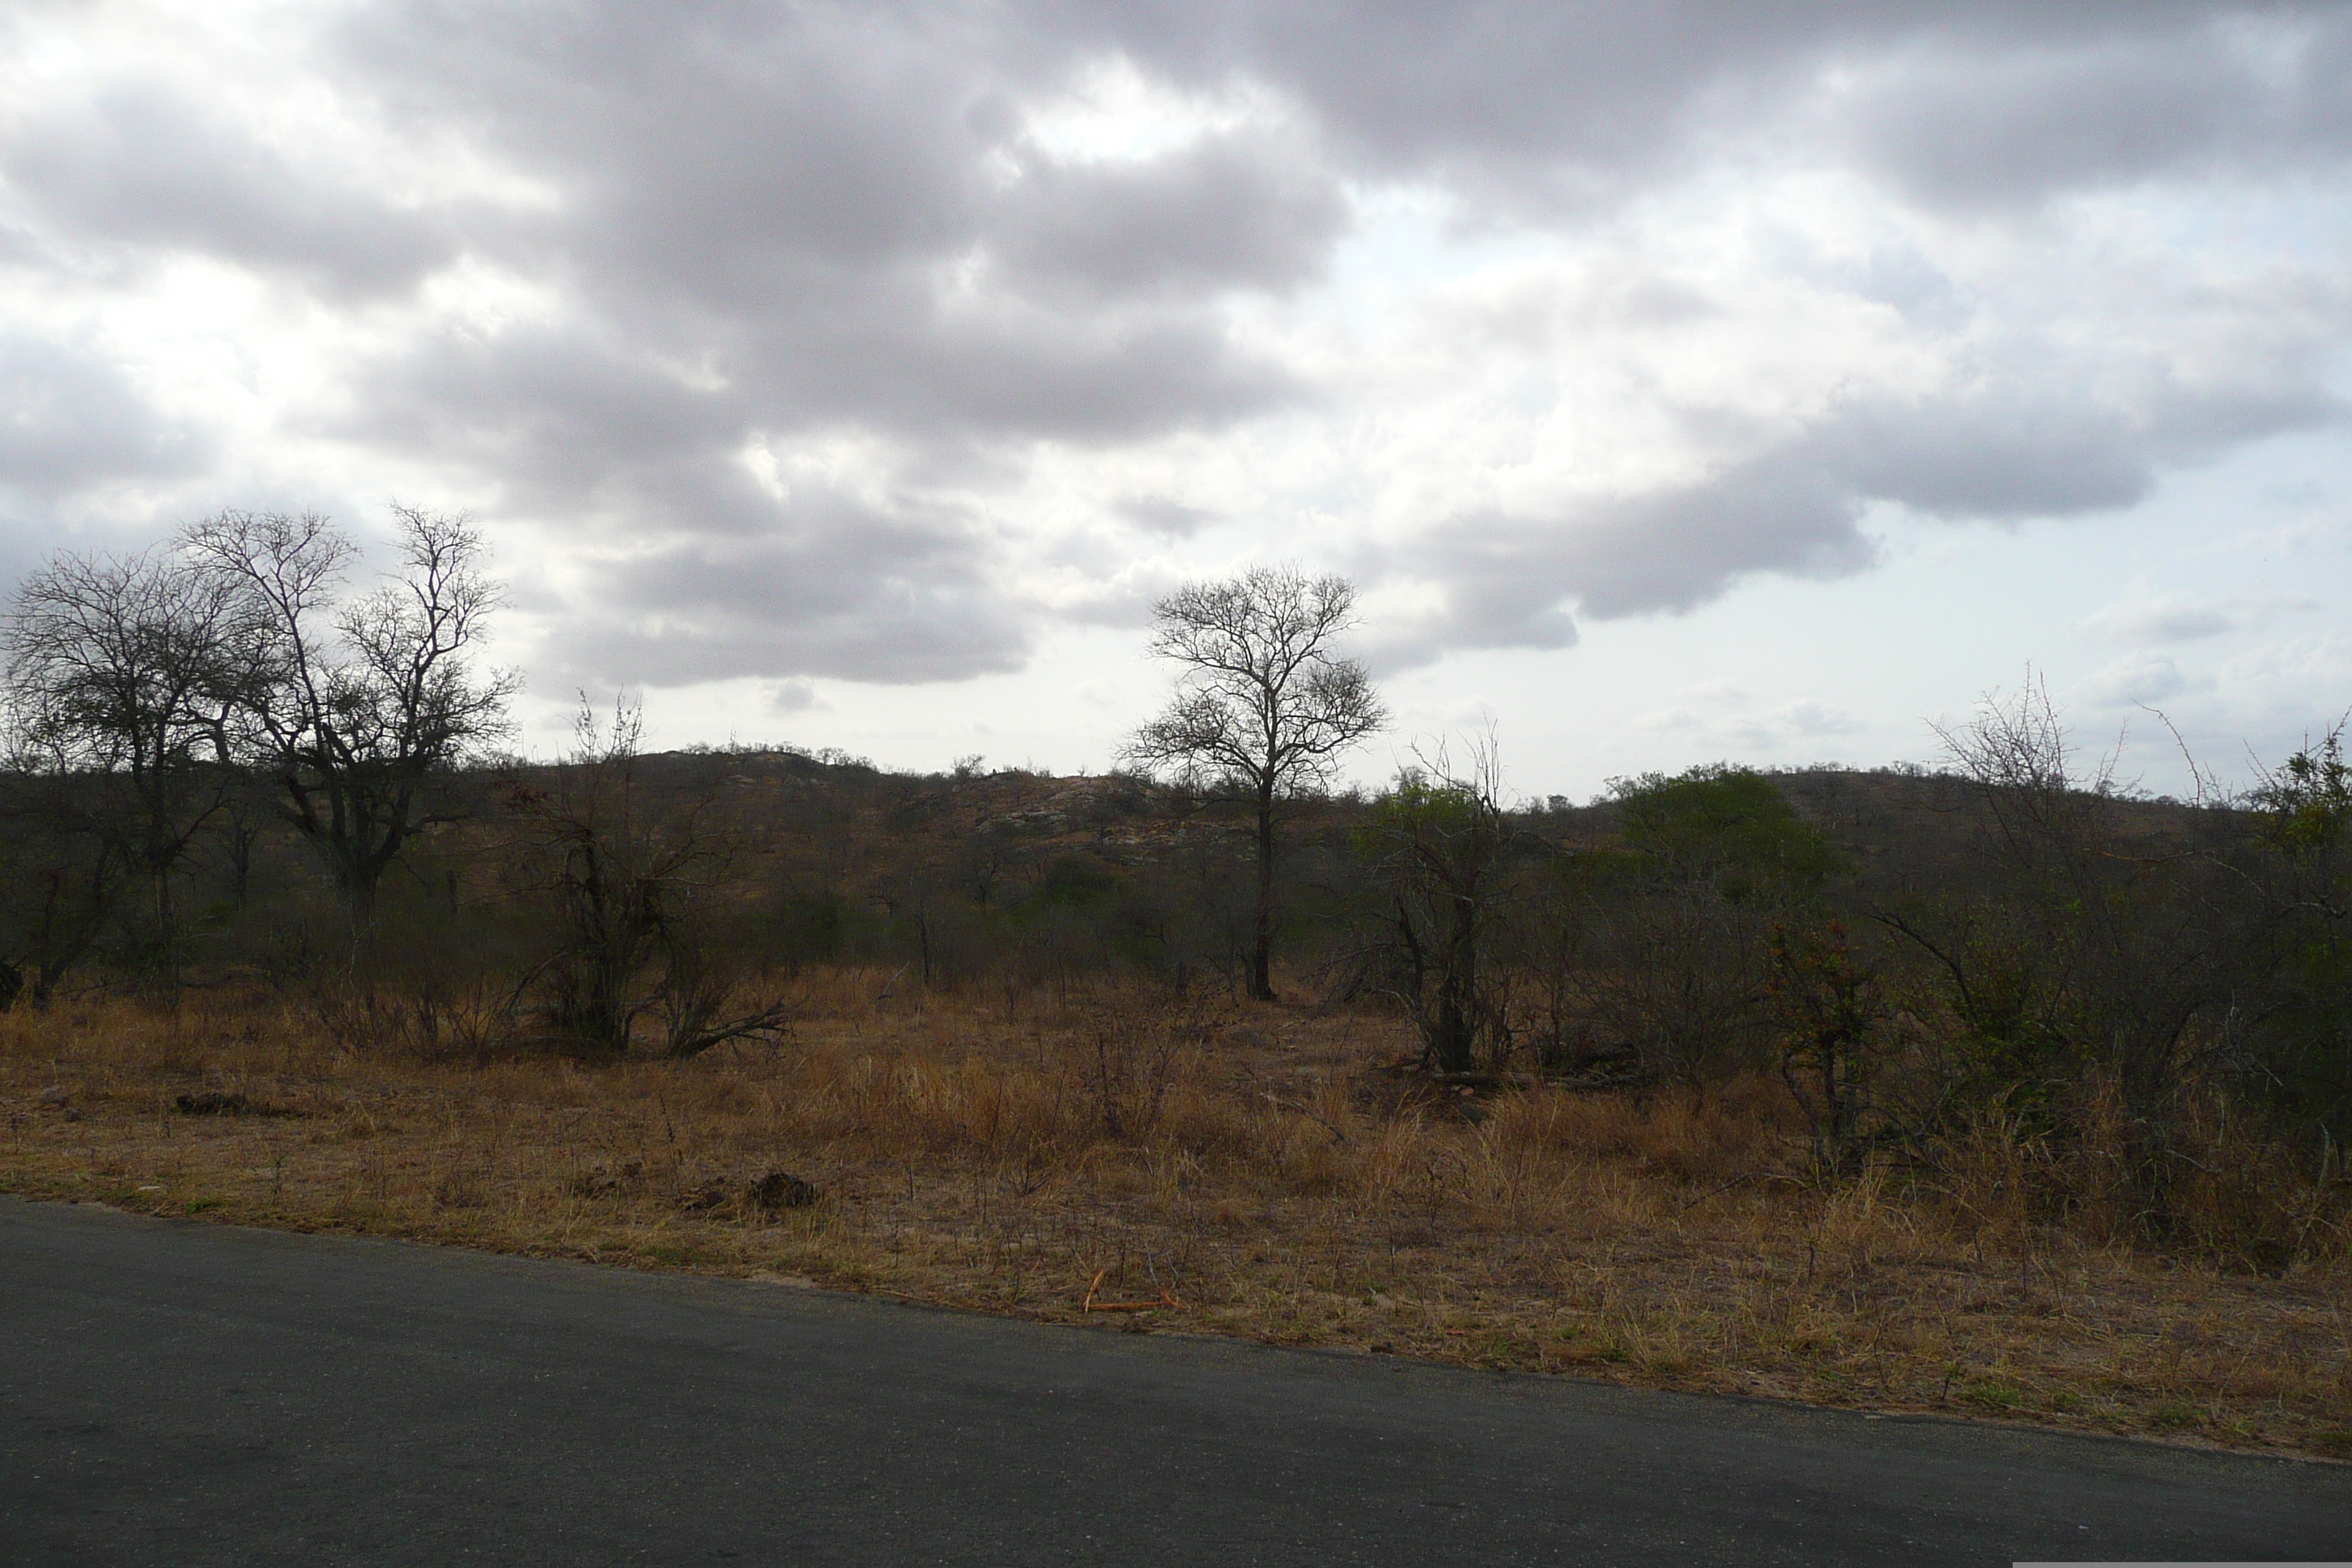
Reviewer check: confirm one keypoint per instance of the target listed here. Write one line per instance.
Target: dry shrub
(1596, 1126)
(1865, 1220)
(2246, 1198)
(1106, 1065)
(423, 1017)
(1205, 1124)
(1738, 1134)
(1127, 1055)
(1995, 1175)
(1389, 1164)
(2227, 1191)
(960, 1108)
(1301, 1154)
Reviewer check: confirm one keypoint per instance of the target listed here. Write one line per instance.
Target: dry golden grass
(1271, 1180)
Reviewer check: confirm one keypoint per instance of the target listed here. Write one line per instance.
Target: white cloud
(791, 697)
(784, 343)
(2164, 619)
(2135, 679)
(1807, 719)
(2167, 618)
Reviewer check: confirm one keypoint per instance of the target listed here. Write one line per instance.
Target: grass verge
(1254, 1174)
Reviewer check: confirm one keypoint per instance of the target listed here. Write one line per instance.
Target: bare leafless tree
(360, 704)
(1265, 703)
(630, 882)
(1442, 844)
(2142, 942)
(124, 671)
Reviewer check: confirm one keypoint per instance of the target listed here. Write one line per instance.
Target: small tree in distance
(1264, 704)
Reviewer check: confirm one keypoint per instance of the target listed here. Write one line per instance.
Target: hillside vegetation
(1997, 1092)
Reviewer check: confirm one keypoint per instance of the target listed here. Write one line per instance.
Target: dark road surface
(184, 1393)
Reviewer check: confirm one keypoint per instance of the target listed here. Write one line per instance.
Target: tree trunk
(242, 834)
(167, 945)
(1454, 1038)
(1261, 975)
(1457, 994)
(359, 898)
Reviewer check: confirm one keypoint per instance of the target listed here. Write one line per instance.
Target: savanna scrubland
(1997, 1089)
(1991, 1091)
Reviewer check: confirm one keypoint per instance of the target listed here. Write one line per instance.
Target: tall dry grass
(1256, 1171)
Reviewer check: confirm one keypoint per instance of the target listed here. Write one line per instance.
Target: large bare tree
(1265, 703)
(122, 673)
(361, 703)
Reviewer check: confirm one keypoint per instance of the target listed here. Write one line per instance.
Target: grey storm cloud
(68, 419)
(139, 166)
(1157, 514)
(764, 221)
(1980, 128)
(1532, 103)
(1229, 211)
(844, 589)
(70, 422)
(1996, 452)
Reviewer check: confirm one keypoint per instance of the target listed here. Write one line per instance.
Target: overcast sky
(1679, 381)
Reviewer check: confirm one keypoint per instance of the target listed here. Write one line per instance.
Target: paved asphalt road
(176, 1393)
